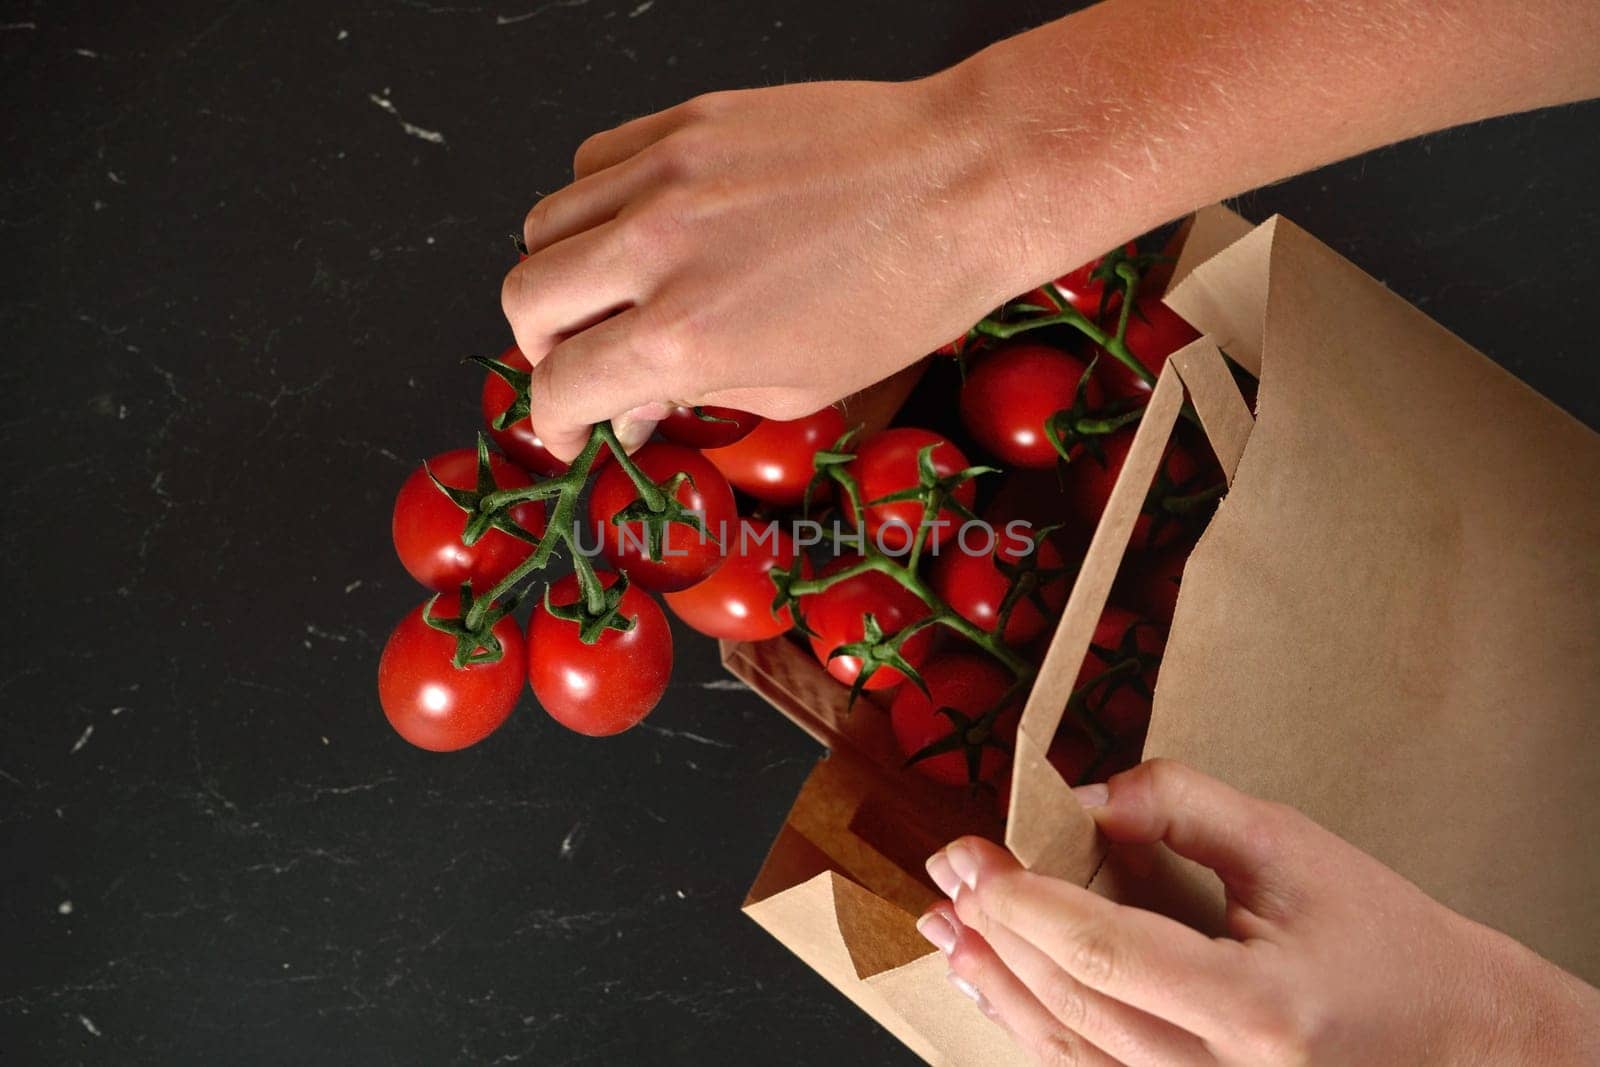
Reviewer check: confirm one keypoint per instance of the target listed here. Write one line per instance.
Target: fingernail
(1093, 795)
(631, 434)
(970, 991)
(964, 864)
(939, 931)
(943, 877)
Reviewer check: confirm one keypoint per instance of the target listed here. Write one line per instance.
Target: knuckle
(1278, 1034)
(535, 222)
(590, 152)
(708, 105)
(659, 223)
(513, 294)
(681, 155)
(1093, 957)
(1059, 1049)
(1063, 997)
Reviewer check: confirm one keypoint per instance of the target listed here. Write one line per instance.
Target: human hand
(771, 250)
(1333, 957)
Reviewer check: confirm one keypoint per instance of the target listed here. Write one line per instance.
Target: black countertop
(245, 245)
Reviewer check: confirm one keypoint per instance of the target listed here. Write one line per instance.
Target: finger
(1000, 995)
(589, 201)
(1130, 1035)
(570, 285)
(1244, 839)
(610, 368)
(1142, 959)
(610, 147)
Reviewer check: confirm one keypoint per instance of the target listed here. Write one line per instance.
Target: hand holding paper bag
(1333, 957)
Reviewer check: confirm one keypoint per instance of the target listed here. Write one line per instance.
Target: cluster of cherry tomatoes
(912, 578)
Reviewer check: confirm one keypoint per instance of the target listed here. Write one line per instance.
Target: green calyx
(597, 610)
(482, 515)
(474, 636)
(519, 380)
(876, 651)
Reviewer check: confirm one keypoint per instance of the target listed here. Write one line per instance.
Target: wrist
(1059, 115)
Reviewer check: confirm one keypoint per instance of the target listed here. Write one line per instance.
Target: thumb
(1248, 842)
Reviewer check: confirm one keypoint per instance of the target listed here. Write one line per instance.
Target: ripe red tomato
(683, 426)
(1123, 662)
(688, 555)
(432, 703)
(1011, 393)
(886, 463)
(1080, 289)
(974, 585)
(735, 603)
(1148, 582)
(428, 525)
(837, 614)
(609, 686)
(520, 440)
(971, 685)
(774, 462)
(1155, 331)
(1090, 479)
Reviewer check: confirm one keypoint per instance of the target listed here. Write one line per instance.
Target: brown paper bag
(1393, 623)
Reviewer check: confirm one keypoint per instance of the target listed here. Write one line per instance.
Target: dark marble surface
(244, 246)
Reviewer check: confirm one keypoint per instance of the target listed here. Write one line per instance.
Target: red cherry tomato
(974, 585)
(431, 702)
(520, 440)
(688, 555)
(427, 525)
(1120, 672)
(611, 685)
(774, 463)
(1165, 519)
(1155, 331)
(837, 616)
(1080, 289)
(1148, 582)
(735, 603)
(724, 426)
(971, 685)
(1011, 393)
(886, 463)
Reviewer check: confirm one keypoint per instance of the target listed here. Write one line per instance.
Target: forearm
(1133, 112)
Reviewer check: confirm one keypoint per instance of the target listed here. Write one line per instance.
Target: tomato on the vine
(975, 584)
(1155, 331)
(688, 554)
(1118, 678)
(837, 617)
(1079, 287)
(1010, 394)
(972, 687)
(735, 603)
(427, 525)
(684, 425)
(606, 687)
(887, 463)
(774, 463)
(520, 440)
(433, 703)
(1177, 502)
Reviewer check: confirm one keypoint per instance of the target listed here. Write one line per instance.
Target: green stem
(566, 488)
(649, 492)
(941, 613)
